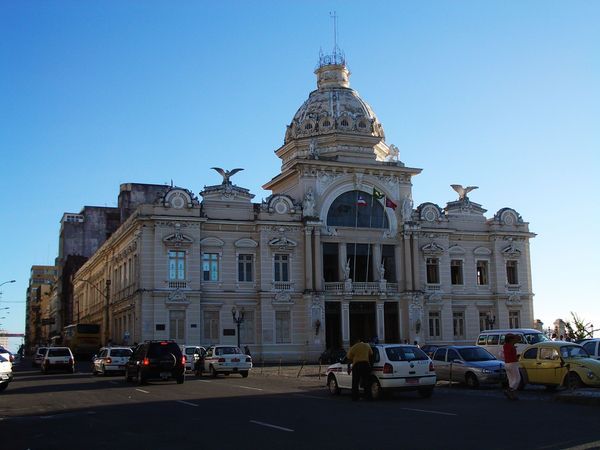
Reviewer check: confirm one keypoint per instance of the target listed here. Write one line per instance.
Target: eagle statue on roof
(463, 191)
(226, 174)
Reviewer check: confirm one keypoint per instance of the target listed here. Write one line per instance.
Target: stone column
(308, 267)
(376, 260)
(342, 258)
(408, 266)
(380, 321)
(399, 265)
(318, 260)
(415, 262)
(345, 323)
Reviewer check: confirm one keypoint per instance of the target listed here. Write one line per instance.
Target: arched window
(357, 209)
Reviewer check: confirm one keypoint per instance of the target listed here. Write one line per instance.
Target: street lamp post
(6, 282)
(238, 318)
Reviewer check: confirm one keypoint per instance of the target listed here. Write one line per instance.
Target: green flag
(377, 194)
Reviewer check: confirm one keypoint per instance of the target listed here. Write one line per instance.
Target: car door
(550, 366)
(440, 364)
(592, 348)
(456, 367)
(98, 360)
(529, 362)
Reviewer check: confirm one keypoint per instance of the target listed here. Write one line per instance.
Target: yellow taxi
(558, 363)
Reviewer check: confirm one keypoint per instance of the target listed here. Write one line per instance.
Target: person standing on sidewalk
(511, 363)
(360, 357)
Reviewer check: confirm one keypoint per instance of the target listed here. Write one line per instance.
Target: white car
(226, 359)
(6, 375)
(592, 346)
(58, 358)
(111, 360)
(193, 355)
(395, 367)
(7, 355)
(38, 357)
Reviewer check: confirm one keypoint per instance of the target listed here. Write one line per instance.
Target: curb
(581, 397)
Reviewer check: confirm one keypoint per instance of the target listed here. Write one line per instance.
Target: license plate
(165, 374)
(412, 381)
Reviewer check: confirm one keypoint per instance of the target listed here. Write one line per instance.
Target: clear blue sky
(504, 95)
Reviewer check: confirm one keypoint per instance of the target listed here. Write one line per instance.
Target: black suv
(156, 360)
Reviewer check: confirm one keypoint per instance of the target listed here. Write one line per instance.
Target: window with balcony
(357, 209)
(360, 257)
(458, 322)
(210, 267)
(282, 327)
(511, 272)
(482, 273)
(434, 325)
(456, 271)
(245, 272)
(514, 319)
(176, 265)
(281, 267)
(433, 271)
(388, 259)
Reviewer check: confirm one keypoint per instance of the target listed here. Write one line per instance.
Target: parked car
(193, 357)
(226, 359)
(592, 346)
(7, 355)
(430, 349)
(6, 374)
(332, 355)
(58, 358)
(156, 360)
(558, 363)
(111, 360)
(468, 364)
(493, 340)
(38, 356)
(395, 367)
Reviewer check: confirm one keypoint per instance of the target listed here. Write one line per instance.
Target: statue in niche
(347, 270)
(382, 271)
(407, 209)
(313, 152)
(308, 206)
(393, 154)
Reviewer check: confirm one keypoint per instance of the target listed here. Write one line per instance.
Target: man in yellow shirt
(360, 358)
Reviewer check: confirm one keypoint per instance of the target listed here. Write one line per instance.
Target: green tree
(579, 329)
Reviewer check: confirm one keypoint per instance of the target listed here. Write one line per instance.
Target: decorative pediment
(482, 251)
(279, 204)
(283, 298)
(430, 212)
(511, 251)
(456, 250)
(179, 198)
(245, 243)
(212, 242)
(282, 243)
(177, 297)
(178, 239)
(432, 249)
(508, 216)
(434, 300)
(514, 300)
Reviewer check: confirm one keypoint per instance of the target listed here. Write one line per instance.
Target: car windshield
(120, 352)
(475, 354)
(534, 338)
(190, 350)
(573, 351)
(405, 354)
(227, 351)
(158, 350)
(59, 352)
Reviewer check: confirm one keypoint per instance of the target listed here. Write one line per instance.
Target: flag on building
(377, 194)
(361, 201)
(390, 204)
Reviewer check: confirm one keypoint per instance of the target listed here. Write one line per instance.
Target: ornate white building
(337, 252)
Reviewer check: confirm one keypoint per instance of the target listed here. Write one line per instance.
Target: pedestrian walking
(360, 357)
(511, 365)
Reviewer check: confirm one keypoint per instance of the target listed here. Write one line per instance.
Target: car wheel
(425, 392)
(180, 379)
(376, 389)
(244, 373)
(472, 381)
(332, 384)
(213, 372)
(573, 381)
(140, 378)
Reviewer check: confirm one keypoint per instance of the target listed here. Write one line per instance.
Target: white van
(493, 340)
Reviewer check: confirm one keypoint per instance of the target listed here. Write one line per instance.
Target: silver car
(468, 364)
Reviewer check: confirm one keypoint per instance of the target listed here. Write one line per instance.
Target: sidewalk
(308, 372)
(586, 396)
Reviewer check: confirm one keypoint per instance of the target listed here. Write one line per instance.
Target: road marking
(141, 390)
(186, 403)
(205, 381)
(271, 426)
(430, 412)
(247, 387)
(310, 396)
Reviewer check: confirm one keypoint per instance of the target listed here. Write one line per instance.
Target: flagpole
(368, 244)
(355, 227)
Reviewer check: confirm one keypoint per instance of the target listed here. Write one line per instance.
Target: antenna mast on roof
(337, 56)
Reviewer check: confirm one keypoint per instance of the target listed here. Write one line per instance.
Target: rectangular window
(511, 272)
(247, 328)
(282, 267)
(434, 325)
(456, 271)
(433, 271)
(514, 319)
(211, 326)
(458, 322)
(245, 268)
(177, 325)
(482, 273)
(176, 265)
(210, 267)
(330, 262)
(388, 259)
(282, 327)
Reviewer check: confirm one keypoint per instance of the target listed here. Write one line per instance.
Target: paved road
(75, 411)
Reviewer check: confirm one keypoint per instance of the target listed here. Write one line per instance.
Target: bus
(82, 338)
